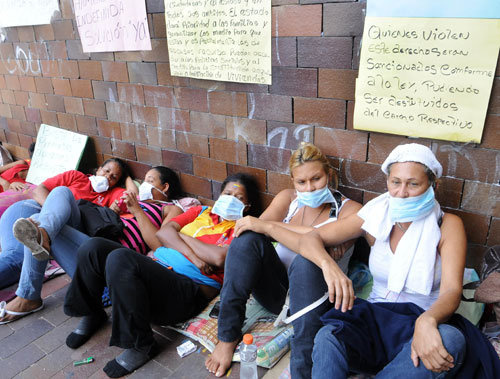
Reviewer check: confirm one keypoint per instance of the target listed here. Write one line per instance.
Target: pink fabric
(7, 198)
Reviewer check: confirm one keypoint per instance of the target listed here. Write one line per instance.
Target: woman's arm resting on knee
(212, 254)
(40, 194)
(427, 344)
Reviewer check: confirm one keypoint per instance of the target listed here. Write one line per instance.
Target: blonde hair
(307, 152)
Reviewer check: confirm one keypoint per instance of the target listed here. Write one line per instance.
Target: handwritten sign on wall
(56, 150)
(27, 12)
(112, 25)
(426, 77)
(226, 40)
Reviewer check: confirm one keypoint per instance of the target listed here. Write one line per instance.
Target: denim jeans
(332, 359)
(11, 256)
(60, 217)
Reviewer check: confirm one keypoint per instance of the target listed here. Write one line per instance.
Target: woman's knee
(248, 243)
(304, 270)
(119, 263)
(61, 193)
(453, 341)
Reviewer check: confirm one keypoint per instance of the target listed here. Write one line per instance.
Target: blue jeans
(332, 359)
(11, 256)
(60, 217)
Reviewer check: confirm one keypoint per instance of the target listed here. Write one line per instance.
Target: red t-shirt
(79, 185)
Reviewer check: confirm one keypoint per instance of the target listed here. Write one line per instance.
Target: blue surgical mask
(314, 199)
(228, 207)
(411, 208)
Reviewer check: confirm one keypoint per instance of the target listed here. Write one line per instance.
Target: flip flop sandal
(4, 312)
(27, 233)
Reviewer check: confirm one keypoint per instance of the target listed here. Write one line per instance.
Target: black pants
(142, 292)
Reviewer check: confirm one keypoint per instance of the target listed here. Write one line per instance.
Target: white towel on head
(415, 257)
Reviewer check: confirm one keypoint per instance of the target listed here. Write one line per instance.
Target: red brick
(37, 100)
(73, 105)
(494, 233)
(228, 151)
(67, 121)
(86, 125)
(159, 25)
(494, 105)
(270, 107)
(342, 143)
(26, 33)
(277, 182)
(55, 103)
(61, 87)
(288, 136)
(22, 98)
(28, 128)
(165, 79)
(14, 126)
(102, 144)
(133, 133)
(81, 88)
(67, 9)
(343, 19)
(147, 154)
(449, 192)
(63, 30)
(69, 69)
(210, 85)
(322, 112)
(109, 129)
(57, 50)
(12, 82)
(258, 174)
(295, 82)
(115, 71)
(142, 73)
(12, 138)
(118, 112)
(37, 50)
(209, 168)
(196, 186)
(328, 52)
(145, 115)
(50, 68)
(268, 157)
(491, 133)
(18, 112)
(8, 96)
(228, 103)
(468, 163)
(123, 149)
(3, 84)
(177, 119)
(44, 85)
(90, 70)
(363, 175)
(191, 98)
(296, 20)
(244, 129)
(337, 84)
(128, 56)
(476, 226)
(164, 138)
(381, 146)
(192, 143)
(481, 198)
(208, 124)
(284, 51)
(178, 161)
(137, 169)
(131, 93)
(94, 108)
(33, 115)
(104, 90)
(49, 118)
(5, 111)
(44, 32)
(350, 115)
(158, 52)
(109, 57)
(158, 96)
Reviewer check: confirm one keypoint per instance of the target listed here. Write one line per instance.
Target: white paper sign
(27, 12)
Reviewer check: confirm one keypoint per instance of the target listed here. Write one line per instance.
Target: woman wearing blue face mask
(407, 327)
(143, 291)
(254, 266)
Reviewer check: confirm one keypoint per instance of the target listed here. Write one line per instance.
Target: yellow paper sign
(426, 77)
(226, 40)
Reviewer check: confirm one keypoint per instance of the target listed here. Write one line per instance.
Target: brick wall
(131, 107)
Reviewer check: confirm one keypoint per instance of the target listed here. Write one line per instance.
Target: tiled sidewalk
(34, 347)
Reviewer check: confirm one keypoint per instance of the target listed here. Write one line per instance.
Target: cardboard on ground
(56, 150)
(426, 77)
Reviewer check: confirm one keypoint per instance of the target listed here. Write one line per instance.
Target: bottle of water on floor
(248, 356)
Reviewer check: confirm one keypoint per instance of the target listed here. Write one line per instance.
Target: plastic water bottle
(248, 356)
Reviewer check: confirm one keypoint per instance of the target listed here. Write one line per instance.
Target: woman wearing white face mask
(144, 291)
(30, 228)
(255, 266)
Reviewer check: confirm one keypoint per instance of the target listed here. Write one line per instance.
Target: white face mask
(99, 183)
(146, 191)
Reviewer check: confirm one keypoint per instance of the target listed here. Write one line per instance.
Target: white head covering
(413, 152)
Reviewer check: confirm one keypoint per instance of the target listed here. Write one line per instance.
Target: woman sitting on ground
(142, 219)
(144, 291)
(13, 175)
(417, 261)
(254, 266)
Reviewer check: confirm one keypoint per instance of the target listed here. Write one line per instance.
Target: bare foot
(220, 360)
(19, 304)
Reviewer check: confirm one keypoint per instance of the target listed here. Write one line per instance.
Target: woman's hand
(249, 223)
(131, 202)
(17, 186)
(338, 251)
(340, 289)
(428, 346)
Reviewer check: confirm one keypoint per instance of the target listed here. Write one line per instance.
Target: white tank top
(380, 261)
(287, 256)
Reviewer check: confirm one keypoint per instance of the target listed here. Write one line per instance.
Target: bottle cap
(247, 339)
